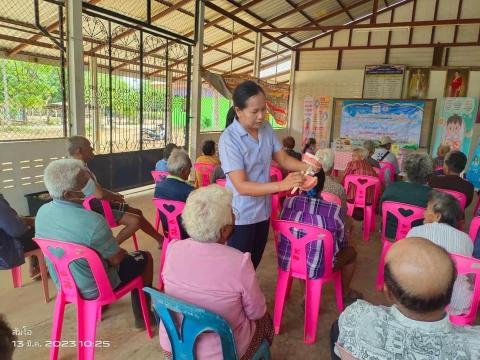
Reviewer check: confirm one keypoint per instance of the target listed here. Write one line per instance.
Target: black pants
(334, 332)
(251, 238)
(27, 242)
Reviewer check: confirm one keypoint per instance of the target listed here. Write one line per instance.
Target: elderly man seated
(382, 153)
(309, 208)
(419, 278)
(413, 191)
(203, 271)
(454, 164)
(441, 220)
(81, 149)
(64, 219)
(175, 186)
(326, 158)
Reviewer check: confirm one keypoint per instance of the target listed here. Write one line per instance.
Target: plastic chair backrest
(205, 171)
(362, 184)
(62, 254)
(469, 265)
(474, 226)
(404, 221)
(298, 261)
(331, 198)
(386, 165)
(195, 322)
(275, 174)
(462, 199)
(275, 207)
(159, 175)
(107, 210)
(171, 209)
(221, 182)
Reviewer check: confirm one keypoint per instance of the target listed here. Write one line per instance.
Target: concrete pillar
(76, 101)
(257, 60)
(197, 83)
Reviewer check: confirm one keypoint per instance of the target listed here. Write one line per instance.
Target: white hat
(384, 140)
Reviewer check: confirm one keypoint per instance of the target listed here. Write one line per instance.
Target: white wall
(21, 168)
(349, 83)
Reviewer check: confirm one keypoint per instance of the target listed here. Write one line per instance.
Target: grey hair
(207, 210)
(369, 145)
(362, 152)
(419, 167)
(178, 162)
(75, 143)
(62, 175)
(326, 158)
(447, 206)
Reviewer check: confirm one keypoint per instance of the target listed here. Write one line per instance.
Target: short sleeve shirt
(240, 151)
(70, 222)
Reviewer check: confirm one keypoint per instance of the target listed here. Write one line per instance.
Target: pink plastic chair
(205, 171)
(462, 199)
(275, 174)
(362, 184)
(298, 269)
(17, 272)
(332, 198)
(171, 209)
(62, 254)
(384, 165)
(467, 265)
(221, 182)
(404, 224)
(107, 211)
(474, 226)
(159, 175)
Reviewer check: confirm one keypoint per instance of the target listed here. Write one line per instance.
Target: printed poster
(455, 124)
(370, 120)
(473, 172)
(456, 84)
(418, 81)
(316, 119)
(383, 81)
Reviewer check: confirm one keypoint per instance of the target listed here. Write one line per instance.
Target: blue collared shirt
(240, 151)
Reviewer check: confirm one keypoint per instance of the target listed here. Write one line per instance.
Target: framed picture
(456, 84)
(418, 81)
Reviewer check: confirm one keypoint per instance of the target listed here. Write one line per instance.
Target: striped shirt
(456, 242)
(312, 211)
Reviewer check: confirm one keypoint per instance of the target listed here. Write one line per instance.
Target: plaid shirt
(312, 211)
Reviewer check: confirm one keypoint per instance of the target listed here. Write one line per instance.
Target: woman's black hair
(310, 142)
(208, 147)
(241, 94)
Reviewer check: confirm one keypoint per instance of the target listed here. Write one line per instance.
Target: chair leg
(162, 260)
(145, 311)
(381, 265)
(337, 278)
(57, 324)
(44, 275)
(87, 312)
(312, 306)
(17, 276)
(367, 221)
(280, 295)
(135, 243)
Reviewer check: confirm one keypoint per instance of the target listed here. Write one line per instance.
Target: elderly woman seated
(359, 166)
(203, 271)
(441, 220)
(414, 191)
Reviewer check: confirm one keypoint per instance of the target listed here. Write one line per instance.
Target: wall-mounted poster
(418, 80)
(371, 119)
(316, 116)
(456, 84)
(473, 172)
(455, 125)
(383, 81)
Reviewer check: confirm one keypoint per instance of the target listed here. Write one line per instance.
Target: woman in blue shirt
(246, 149)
